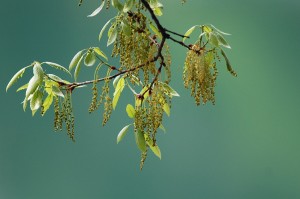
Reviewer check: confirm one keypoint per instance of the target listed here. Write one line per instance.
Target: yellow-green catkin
(94, 103)
(57, 115)
(107, 109)
(64, 114)
(143, 159)
(68, 114)
(148, 116)
(134, 46)
(200, 74)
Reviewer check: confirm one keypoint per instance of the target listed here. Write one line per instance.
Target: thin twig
(175, 33)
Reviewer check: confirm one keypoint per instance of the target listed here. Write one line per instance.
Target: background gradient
(244, 147)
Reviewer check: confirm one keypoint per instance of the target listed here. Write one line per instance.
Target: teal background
(244, 147)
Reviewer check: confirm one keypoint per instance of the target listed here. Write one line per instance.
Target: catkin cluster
(63, 113)
(104, 97)
(149, 115)
(134, 46)
(200, 74)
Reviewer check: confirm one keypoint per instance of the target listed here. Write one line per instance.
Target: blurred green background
(244, 147)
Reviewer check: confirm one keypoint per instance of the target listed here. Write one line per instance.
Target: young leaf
(188, 33)
(90, 58)
(162, 128)
(56, 78)
(222, 41)
(130, 111)
(158, 11)
(22, 87)
(119, 88)
(75, 60)
(126, 28)
(103, 29)
(32, 86)
(128, 5)
(140, 140)
(166, 108)
(117, 4)
(213, 39)
(77, 69)
(36, 101)
(112, 36)
(155, 30)
(38, 70)
(57, 92)
(155, 4)
(47, 103)
(229, 68)
(206, 29)
(18, 75)
(122, 133)
(57, 66)
(170, 91)
(223, 33)
(100, 53)
(116, 80)
(98, 10)
(154, 148)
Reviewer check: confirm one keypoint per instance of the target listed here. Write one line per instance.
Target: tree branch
(165, 36)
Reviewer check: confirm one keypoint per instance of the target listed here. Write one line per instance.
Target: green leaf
(117, 4)
(158, 11)
(229, 67)
(77, 69)
(32, 86)
(122, 133)
(166, 108)
(56, 78)
(155, 4)
(18, 75)
(112, 35)
(130, 111)
(188, 33)
(140, 140)
(90, 58)
(155, 30)
(103, 29)
(36, 101)
(154, 148)
(75, 60)
(57, 92)
(57, 66)
(38, 70)
(100, 52)
(162, 128)
(126, 28)
(119, 88)
(98, 10)
(213, 39)
(128, 5)
(47, 103)
(219, 31)
(206, 29)
(222, 41)
(34, 82)
(22, 87)
(116, 80)
(170, 91)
